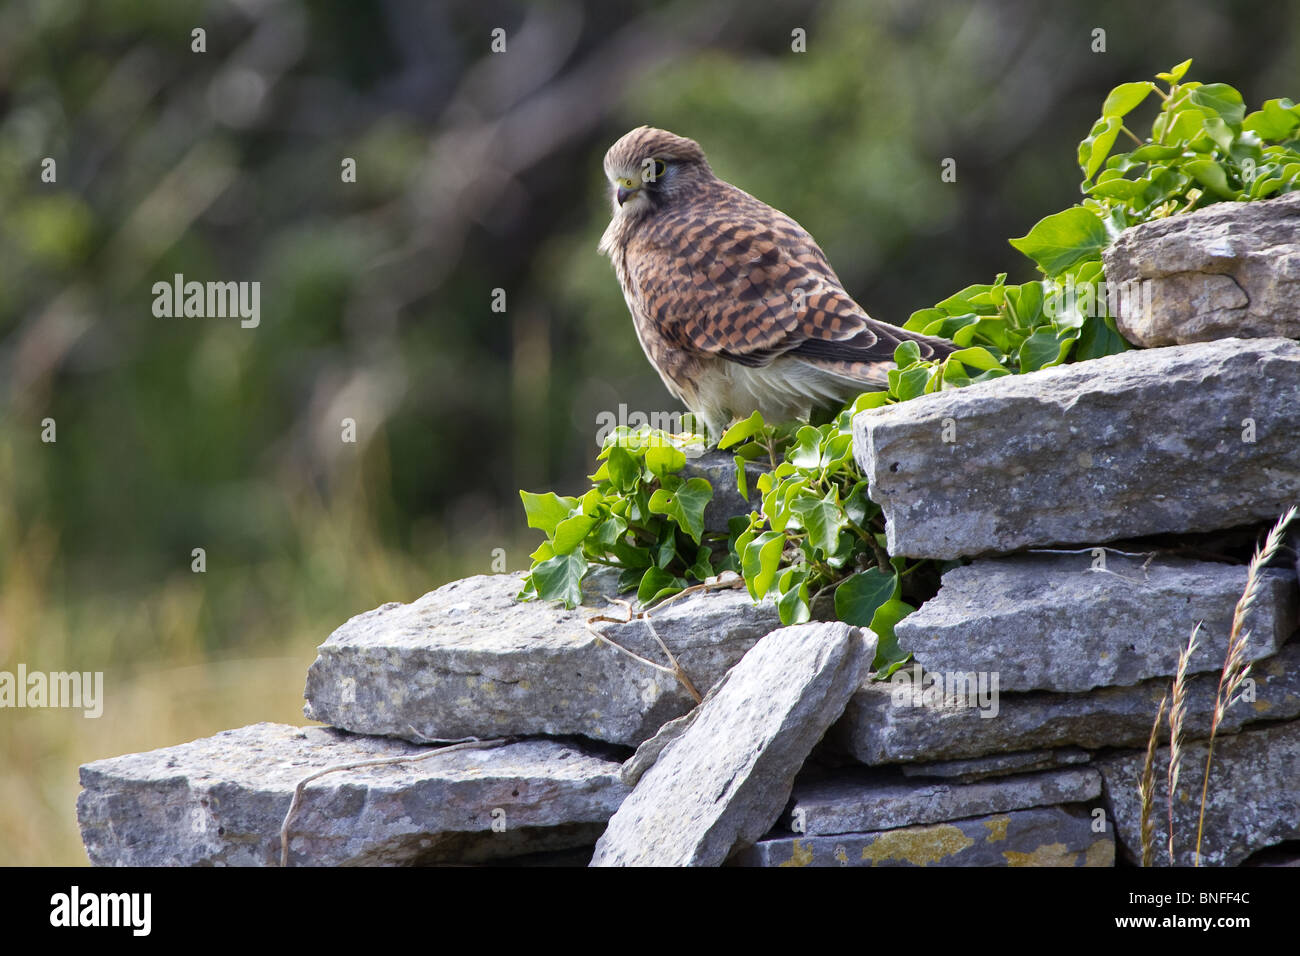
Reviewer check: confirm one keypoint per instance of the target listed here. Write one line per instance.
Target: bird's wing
(747, 283)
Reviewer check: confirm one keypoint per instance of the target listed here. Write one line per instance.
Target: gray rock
(1049, 622)
(876, 729)
(880, 800)
(998, 765)
(220, 801)
(1044, 836)
(1232, 269)
(1253, 800)
(719, 468)
(724, 781)
(468, 660)
(1122, 446)
(649, 751)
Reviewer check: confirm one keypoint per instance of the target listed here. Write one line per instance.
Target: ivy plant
(640, 516)
(812, 527)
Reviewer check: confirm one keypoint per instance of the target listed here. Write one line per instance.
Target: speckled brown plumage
(732, 300)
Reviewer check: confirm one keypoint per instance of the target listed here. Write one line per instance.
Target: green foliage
(814, 527)
(1203, 148)
(640, 516)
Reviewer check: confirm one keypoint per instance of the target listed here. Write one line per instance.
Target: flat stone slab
(877, 800)
(723, 781)
(220, 801)
(882, 727)
(1190, 438)
(1051, 622)
(1043, 836)
(468, 660)
(998, 765)
(1253, 801)
(1229, 269)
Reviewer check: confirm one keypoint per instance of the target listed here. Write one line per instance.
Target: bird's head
(649, 167)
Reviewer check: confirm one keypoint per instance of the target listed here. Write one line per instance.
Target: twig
(724, 582)
(677, 671)
(467, 743)
(1127, 554)
(619, 647)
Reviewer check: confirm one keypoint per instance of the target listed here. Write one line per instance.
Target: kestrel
(733, 301)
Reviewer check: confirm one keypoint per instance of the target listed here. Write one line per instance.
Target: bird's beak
(626, 188)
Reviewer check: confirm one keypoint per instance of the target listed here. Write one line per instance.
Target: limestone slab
(220, 801)
(723, 781)
(1189, 438)
(468, 660)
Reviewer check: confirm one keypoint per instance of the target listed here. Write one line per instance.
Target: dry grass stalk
(1235, 669)
(1147, 787)
(1177, 714)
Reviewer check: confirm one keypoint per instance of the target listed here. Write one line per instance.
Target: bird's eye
(652, 169)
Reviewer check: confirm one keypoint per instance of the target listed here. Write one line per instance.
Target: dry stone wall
(1015, 739)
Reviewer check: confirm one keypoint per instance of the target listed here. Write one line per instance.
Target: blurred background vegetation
(475, 171)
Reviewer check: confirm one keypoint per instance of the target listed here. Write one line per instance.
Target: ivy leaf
(702, 568)
(793, 608)
(685, 505)
(792, 605)
(546, 510)
(907, 385)
(760, 560)
(1211, 175)
(859, 597)
(1099, 337)
(807, 452)
(742, 430)
(1125, 98)
(742, 477)
(1176, 74)
(560, 578)
(1064, 239)
(623, 469)
(976, 357)
(631, 556)
(656, 585)
(1274, 121)
(923, 319)
(1222, 99)
(889, 656)
(667, 549)
(823, 519)
(663, 460)
(570, 532)
(1042, 350)
(907, 353)
(1097, 145)
(610, 531)
(858, 507)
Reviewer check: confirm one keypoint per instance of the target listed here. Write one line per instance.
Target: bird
(733, 302)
